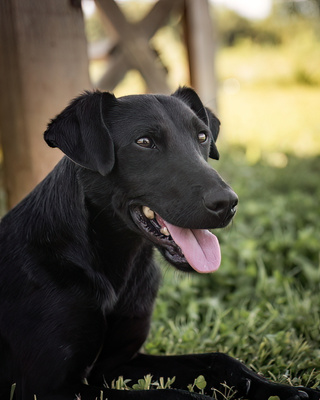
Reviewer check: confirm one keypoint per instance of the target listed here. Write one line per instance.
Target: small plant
(146, 383)
(143, 384)
(227, 394)
(13, 388)
(162, 385)
(120, 383)
(199, 383)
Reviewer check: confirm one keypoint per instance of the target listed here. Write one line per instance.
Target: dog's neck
(90, 229)
(74, 236)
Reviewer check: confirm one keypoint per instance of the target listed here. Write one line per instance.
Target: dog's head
(155, 148)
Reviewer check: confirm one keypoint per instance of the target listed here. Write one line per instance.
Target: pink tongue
(200, 247)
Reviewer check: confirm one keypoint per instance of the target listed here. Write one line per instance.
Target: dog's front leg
(220, 371)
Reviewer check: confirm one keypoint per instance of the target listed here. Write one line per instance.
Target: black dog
(77, 278)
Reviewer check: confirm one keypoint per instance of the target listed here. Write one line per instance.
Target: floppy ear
(190, 97)
(81, 133)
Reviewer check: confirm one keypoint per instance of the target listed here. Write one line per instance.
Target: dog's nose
(223, 203)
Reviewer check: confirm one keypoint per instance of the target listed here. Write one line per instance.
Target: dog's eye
(145, 142)
(202, 137)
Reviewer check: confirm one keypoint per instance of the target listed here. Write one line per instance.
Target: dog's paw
(307, 394)
(273, 391)
(301, 395)
(293, 393)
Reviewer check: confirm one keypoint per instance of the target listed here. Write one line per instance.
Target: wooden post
(201, 49)
(43, 65)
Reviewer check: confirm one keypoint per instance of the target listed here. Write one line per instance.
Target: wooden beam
(201, 49)
(43, 64)
(135, 46)
(118, 64)
(158, 16)
(116, 70)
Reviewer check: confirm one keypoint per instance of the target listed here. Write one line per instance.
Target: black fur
(78, 280)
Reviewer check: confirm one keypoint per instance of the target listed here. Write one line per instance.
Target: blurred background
(267, 63)
(256, 63)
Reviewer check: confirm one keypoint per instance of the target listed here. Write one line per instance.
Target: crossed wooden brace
(132, 50)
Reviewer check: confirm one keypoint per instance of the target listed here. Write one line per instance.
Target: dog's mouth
(184, 248)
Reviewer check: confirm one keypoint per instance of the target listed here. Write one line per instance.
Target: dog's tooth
(148, 212)
(164, 231)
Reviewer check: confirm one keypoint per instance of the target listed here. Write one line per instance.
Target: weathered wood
(158, 15)
(118, 63)
(135, 46)
(201, 49)
(43, 64)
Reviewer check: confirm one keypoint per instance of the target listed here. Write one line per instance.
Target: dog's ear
(80, 131)
(190, 97)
